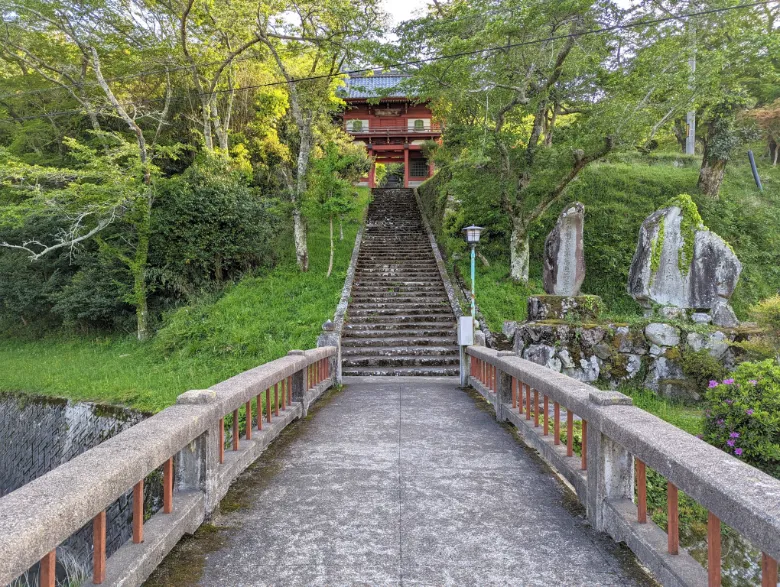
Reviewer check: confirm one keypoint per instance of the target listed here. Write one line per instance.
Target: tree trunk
(680, 133)
(774, 148)
(301, 248)
(341, 228)
(138, 268)
(330, 262)
(519, 252)
(299, 235)
(711, 175)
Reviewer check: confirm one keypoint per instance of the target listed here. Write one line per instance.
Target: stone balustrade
(619, 443)
(188, 441)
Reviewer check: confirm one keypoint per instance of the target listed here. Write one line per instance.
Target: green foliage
(255, 321)
(701, 367)
(743, 415)
(767, 315)
(208, 226)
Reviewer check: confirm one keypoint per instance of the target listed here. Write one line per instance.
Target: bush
(767, 315)
(743, 415)
(701, 367)
(208, 226)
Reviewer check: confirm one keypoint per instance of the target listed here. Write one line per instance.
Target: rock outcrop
(564, 256)
(680, 263)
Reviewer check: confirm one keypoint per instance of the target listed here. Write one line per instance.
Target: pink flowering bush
(743, 415)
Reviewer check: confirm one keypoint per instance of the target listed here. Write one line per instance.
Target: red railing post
(569, 433)
(268, 405)
(527, 402)
(138, 512)
(235, 429)
(276, 399)
(536, 408)
(48, 575)
(584, 445)
(768, 571)
(556, 423)
(248, 410)
(289, 390)
(713, 550)
(673, 527)
(284, 394)
(99, 548)
(168, 486)
(221, 440)
(259, 411)
(641, 492)
(546, 416)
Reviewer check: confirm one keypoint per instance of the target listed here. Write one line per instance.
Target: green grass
(255, 321)
(685, 416)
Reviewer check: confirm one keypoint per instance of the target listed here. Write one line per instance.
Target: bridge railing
(619, 442)
(188, 441)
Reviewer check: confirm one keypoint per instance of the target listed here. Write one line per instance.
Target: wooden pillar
(372, 171)
(406, 166)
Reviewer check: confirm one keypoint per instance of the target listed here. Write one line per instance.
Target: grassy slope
(253, 322)
(618, 195)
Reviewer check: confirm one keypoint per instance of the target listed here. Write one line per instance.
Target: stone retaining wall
(650, 355)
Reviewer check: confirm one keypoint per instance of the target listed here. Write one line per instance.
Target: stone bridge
(523, 476)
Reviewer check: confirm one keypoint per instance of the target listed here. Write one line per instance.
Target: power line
(422, 61)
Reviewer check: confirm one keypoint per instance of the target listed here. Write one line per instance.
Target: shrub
(701, 367)
(208, 226)
(767, 315)
(743, 415)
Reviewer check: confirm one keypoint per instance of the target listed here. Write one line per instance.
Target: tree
(56, 39)
(313, 39)
(768, 119)
(524, 117)
(333, 175)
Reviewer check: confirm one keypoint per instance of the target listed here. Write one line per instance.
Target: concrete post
(610, 466)
(196, 464)
(330, 337)
(299, 385)
(503, 389)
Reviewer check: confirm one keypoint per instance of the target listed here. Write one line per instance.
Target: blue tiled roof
(374, 86)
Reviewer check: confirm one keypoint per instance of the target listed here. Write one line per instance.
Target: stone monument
(682, 266)
(564, 256)
(564, 272)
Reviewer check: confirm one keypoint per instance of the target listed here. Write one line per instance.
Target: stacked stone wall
(647, 355)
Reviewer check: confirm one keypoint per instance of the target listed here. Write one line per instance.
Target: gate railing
(619, 442)
(188, 441)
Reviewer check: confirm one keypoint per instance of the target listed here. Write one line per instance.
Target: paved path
(409, 483)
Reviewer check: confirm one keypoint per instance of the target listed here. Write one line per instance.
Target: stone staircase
(399, 319)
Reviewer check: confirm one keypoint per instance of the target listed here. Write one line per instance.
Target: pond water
(39, 433)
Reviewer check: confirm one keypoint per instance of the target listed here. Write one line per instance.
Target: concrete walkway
(408, 482)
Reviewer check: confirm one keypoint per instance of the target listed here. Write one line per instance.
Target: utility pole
(690, 118)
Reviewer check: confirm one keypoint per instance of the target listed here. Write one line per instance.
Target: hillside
(618, 194)
(254, 321)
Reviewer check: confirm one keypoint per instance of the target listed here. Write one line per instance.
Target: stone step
(435, 329)
(388, 351)
(401, 361)
(434, 305)
(400, 371)
(406, 312)
(448, 319)
(397, 341)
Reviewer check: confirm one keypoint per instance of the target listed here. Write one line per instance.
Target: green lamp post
(472, 238)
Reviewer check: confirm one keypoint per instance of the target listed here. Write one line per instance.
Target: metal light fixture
(472, 234)
(472, 238)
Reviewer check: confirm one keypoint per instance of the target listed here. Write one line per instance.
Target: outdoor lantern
(472, 238)
(472, 234)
